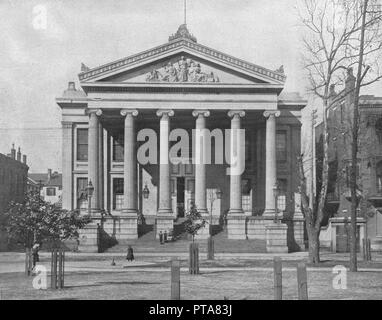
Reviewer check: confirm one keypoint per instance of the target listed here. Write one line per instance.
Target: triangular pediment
(182, 61)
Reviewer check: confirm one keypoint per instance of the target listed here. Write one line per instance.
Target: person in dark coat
(130, 253)
(35, 249)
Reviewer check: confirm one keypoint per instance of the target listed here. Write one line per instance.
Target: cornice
(183, 43)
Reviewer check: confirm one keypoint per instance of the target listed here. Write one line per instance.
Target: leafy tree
(35, 220)
(194, 222)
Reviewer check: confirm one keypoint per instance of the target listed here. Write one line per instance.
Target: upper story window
(378, 129)
(348, 173)
(118, 143)
(281, 146)
(82, 144)
(50, 191)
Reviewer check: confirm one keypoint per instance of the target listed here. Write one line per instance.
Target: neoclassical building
(177, 87)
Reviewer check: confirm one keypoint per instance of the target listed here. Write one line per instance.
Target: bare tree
(331, 48)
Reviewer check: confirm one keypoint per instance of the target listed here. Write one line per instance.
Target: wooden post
(51, 269)
(302, 282)
(277, 272)
(27, 262)
(211, 249)
(54, 269)
(175, 280)
(197, 259)
(364, 249)
(30, 261)
(60, 268)
(368, 249)
(63, 268)
(194, 259)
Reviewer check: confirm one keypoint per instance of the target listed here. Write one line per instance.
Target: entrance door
(180, 189)
(189, 192)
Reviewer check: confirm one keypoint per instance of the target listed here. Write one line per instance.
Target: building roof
(54, 181)
(183, 40)
(16, 163)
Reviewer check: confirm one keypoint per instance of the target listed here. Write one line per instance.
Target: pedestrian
(130, 253)
(35, 249)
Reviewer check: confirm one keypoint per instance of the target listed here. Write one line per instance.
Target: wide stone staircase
(146, 242)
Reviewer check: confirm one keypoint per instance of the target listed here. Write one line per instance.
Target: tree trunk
(314, 245)
(354, 151)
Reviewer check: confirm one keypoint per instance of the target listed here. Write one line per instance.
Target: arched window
(379, 177)
(378, 129)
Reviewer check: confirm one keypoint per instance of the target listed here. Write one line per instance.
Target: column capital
(236, 113)
(98, 112)
(269, 113)
(204, 113)
(165, 112)
(125, 112)
(67, 124)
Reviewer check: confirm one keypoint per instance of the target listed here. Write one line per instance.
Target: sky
(37, 60)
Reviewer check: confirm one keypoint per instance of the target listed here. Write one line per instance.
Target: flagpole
(185, 11)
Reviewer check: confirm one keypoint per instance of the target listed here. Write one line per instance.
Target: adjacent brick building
(369, 170)
(13, 183)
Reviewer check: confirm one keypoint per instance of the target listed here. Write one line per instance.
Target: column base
(164, 223)
(376, 244)
(165, 212)
(127, 228)
(298, 227)
(236, 225)
(256, 226)
(270, 213)
(89, 238)
(130, 212)
(276, 237)
(203, 233)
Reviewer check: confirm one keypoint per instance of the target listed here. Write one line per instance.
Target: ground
(91, 276)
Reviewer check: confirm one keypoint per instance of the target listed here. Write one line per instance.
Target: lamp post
(211, 195)
(89, 192)
(276, 195)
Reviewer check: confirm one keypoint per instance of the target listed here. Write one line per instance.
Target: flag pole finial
(185, 11)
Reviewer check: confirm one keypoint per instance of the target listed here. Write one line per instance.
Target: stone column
(100, 165)
(128, 224)
(130, 164)
(236, 218)
(165, 217)
(93, 158)
(88, 236)
(200, 169)
(270, 162)
(67, 165)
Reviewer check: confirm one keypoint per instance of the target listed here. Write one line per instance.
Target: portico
(121, 130)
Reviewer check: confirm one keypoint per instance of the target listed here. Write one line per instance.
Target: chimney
(349, 88)
(350, 80)
(49, 174)
(71, 86)
(19, 155)
(25, 159)
(13, 152)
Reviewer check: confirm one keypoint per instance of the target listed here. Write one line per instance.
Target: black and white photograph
(204, 151)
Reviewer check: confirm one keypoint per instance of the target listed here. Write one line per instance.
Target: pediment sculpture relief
(185, 70)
